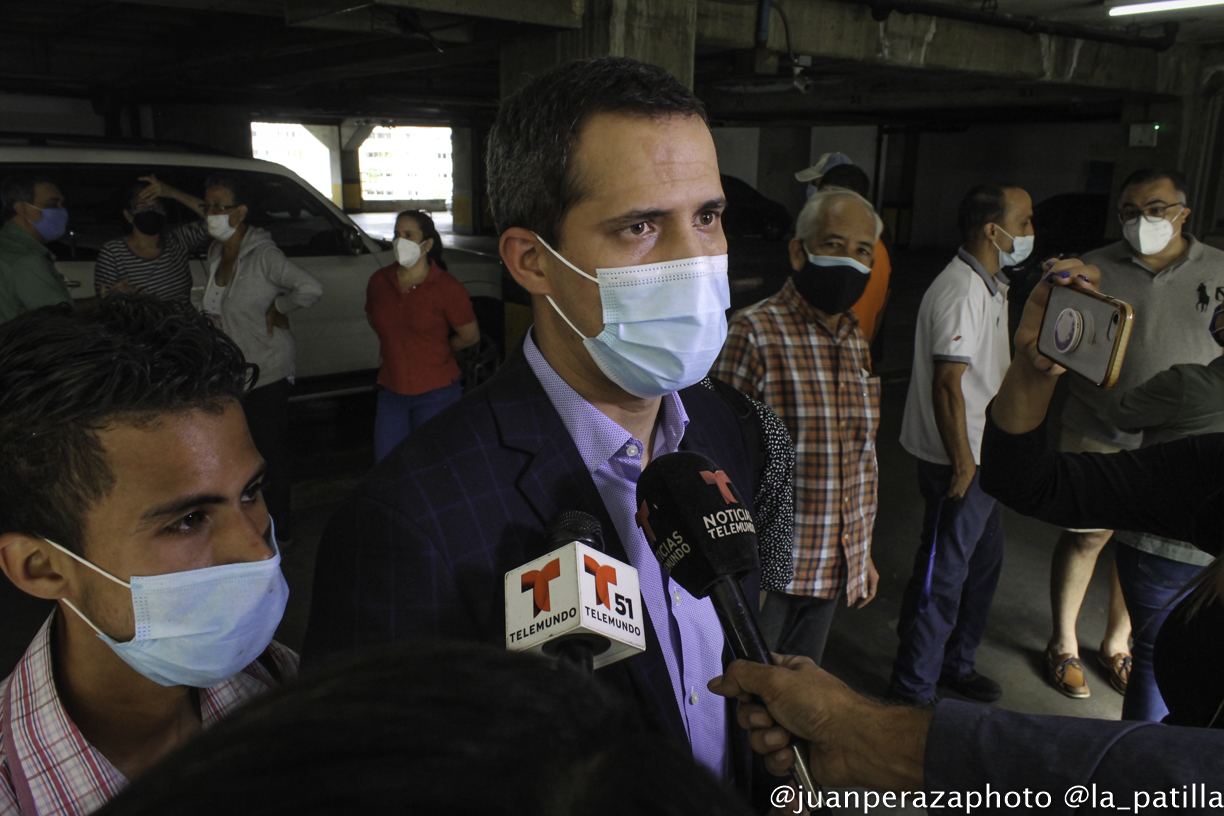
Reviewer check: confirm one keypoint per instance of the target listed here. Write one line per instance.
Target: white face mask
(1149, 237)
(219, 227)
(199, 627)
(1022, 247)
(664, 323)
(407, 252)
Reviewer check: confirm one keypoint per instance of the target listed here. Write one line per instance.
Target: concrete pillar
(465, 198)
(352, 137)
(782, 152)
(661, 32)
(329, 136)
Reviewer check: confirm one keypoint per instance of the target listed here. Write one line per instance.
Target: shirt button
(632, 450)
(693, 698)
(676, 598)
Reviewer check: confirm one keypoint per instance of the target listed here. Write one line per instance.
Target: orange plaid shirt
(819, 382)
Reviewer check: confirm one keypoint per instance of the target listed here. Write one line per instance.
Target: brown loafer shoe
(1119, 667)
(1066, 673)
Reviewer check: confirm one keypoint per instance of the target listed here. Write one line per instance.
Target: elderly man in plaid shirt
(802, 353)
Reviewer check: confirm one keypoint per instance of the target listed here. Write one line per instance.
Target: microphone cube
(575, 592)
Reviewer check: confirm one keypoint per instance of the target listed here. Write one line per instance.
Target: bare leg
(1118, 628)
(1075, 555)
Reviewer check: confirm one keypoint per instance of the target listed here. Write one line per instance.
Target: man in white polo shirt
(960, 355)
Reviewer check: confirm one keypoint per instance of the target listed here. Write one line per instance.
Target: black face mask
(831, 289)
(150, 222)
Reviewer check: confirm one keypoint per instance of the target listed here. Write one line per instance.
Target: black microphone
(574, 525)
(695, 520)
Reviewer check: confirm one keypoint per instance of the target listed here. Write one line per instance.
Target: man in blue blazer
(604, 182)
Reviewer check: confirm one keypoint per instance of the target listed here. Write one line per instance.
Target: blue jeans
(942, 635)
(1151, 586)
(400, 414)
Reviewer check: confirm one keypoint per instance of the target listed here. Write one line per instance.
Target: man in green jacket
(34, 216)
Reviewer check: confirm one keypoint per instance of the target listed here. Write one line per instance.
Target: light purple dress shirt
(691, 638)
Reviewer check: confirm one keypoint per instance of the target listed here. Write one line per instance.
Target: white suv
(335, 345)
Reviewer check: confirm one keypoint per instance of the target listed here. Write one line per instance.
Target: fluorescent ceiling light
(1161, 5)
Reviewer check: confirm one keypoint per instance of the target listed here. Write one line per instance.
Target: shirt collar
(29, 242)
(992, 281)
(47, 740)
(1193, 252)
(597, 437)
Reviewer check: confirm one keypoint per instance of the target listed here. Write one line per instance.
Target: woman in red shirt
(422, 315)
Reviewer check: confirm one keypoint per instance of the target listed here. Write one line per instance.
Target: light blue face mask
(1022, 247)
(664, 323)
(199, 627)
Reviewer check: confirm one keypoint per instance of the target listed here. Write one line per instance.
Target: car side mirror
(353, 241)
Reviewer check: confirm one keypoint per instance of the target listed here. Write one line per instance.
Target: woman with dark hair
(151, 258)
(252, 287)
(422, 316)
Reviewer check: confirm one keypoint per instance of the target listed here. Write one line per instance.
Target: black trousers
(267, 415)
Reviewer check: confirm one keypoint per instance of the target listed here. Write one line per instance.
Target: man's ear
(241, 212)
(798, 254)
(522, 251)
(26, 561)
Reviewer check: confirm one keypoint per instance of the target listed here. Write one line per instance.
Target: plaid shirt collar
(791, 297)
(66, 774)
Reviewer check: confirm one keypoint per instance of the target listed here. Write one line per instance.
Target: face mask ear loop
(73, 606)
(567, 263)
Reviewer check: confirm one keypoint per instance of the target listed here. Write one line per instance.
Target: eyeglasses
(217, 209)
(1154, 213)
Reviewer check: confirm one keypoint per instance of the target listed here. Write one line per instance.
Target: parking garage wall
(1044, 159)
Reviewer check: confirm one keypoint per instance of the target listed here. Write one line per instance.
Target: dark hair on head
(984, 204)
(236, 186)
(64, 376)
(1147, 175)
(531, 179)
(19, 187)
(850, 176)
(428, 230)
(402, 730)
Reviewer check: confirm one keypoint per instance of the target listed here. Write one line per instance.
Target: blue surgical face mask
(1022, 247)
(53, 224)
(199, 627)
(664, 323)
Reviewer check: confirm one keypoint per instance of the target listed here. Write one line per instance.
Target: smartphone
(1086, 332)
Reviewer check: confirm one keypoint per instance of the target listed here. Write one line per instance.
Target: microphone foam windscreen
(574, 525)
(695, 520)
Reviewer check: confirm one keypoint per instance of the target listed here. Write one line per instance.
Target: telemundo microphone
(576, 603)
(697, 525)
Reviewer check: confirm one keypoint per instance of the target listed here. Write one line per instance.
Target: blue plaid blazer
(421, 548)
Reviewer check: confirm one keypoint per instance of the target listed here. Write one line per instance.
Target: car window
(96, 195)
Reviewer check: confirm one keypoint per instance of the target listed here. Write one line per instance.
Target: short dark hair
(398, 731)
(850, 176)
(19, 187)
(1147, 175)
(64, 376)
(428, 230)
(984, 204)
(531, 182)
(236, 186)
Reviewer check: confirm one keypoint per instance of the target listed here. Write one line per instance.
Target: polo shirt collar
(23, 239)
(992, 281)
(1193, 252)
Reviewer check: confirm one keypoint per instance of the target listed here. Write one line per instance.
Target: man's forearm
(1023, 399)
(885, 747)
(950, 420)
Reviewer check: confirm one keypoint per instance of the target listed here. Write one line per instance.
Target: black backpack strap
(750, 427)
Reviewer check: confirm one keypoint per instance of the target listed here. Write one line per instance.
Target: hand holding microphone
(703, 535)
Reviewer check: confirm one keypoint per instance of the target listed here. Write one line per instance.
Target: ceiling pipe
(764, 7)
(880, 9)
